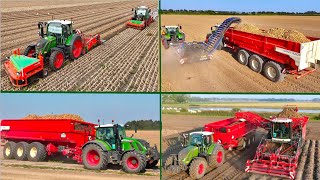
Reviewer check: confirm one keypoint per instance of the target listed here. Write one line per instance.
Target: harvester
(142, 18)
(199, 152)
(278, 153)
(172, 35)
(58, 41)
(111, 146)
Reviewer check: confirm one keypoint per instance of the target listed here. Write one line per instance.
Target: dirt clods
(288, 112)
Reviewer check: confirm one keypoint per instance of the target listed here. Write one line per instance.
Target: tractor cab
(281, 130)
(111, 133)
(56, 29)
(141, 13)
(172, 35)
(201, 139)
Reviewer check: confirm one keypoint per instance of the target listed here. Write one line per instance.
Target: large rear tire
(76, 47)
(165, 44)
(243, 57)
(133, 162)
(217, 159)
(30, 51)
(9, 149)
(273, 71)
(94, 158)
(37, 152)
(198, 168)
(21, 151)
(56, 60)
(242, 144)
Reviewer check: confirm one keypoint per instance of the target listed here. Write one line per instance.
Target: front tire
(9, 150)
(37, 152)
(273, 71)
(30, 51)
(217, 159)
(21, 151)
(165, 44)
(198, 168)
(94, 157)
(133, 162)
(56, 60)
(76, 47)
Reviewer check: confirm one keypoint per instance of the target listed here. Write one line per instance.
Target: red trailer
(36, 139)
(274, 57)
(236, 132)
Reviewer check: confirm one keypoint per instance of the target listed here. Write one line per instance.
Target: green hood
(136, 22)
(21, 61)
(132, 143)
(187, 154)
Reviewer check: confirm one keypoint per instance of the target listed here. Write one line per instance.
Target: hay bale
(54, 116)
(288, 112)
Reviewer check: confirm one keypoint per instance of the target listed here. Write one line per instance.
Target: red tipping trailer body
(233, 131)
(64, 136)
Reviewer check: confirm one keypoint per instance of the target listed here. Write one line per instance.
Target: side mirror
(180, 27)
(132, 135)
(211, 28)
(149, 10)
(132, 9)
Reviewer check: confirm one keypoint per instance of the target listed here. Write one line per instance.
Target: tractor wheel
(133, 162)
(37, 152)
(152, 164)
(256, 63)
(165, 44)
(198, 168)
(242, 144)
(9, 149)
(29, 51)
(21, 151)
(76, 47)
(56, 60)
(273, 71)
(243, 57)
(94, 157)
(217, 159)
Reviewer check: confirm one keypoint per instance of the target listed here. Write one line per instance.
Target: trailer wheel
(9, 149)
(198, 168)
(76, 47)
(94, 157)
(37, 152)
(256, 63)
(242, 144)
(217, 159)
(56, 60)
(133, 162)
(152, 164)
(165, 44)
(21, 151)
(272, 71)
(243, 57)
(29, 51)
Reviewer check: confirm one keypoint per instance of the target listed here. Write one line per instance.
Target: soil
(223, 73)
(288, 113)
(54, 116)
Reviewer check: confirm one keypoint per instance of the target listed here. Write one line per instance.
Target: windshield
(122, 132)
(54, 28)
(107, 133)
(141, 11)
(172, 30)
(195, 139)
(281, 130)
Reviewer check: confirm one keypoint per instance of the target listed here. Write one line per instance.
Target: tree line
(212, 12)
(143, 125)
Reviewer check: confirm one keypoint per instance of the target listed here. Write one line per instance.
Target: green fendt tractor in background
(213, 29)
(111, 146)
(198, 153)
(172, 35)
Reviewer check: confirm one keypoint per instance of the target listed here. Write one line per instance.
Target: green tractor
(112, 146)
(213, 29)
(198, 153)
(141, 19)
(172, 35)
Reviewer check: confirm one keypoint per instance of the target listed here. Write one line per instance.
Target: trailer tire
(152, 165)
(273, 71)
(21, 151)
(256, 63)
(243, 57)
(56, 60)
(217, 159)
(76, 47)
(9, 149)
(133, 162)
(30, 50)
(94, 158)
(165, 44)
(37, 152)
(198, 168)
(242, 143)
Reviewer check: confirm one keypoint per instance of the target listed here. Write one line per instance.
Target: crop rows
(126, 69)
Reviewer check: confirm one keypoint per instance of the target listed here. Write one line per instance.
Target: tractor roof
(108, 125)
(66, 22)
(142, 7)
(205, 133)
(171, 26)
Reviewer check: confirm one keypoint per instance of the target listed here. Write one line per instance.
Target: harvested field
(234, 166)
(224, 73)
(127, 61)
(54, 116)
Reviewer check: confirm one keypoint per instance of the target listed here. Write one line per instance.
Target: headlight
(63, 135)
(18, 74)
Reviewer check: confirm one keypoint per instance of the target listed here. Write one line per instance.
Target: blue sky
(258, 96)
(244, 5)
(91, 107)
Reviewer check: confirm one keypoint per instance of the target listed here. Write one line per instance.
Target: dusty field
(153, 137)
(233, 168)
(224, 73)
(127, 61)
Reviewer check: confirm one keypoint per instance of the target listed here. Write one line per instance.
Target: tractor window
(207, 140)
(281, 130)
(122, 132)
(141, 11)
(54, 28)
(195, 139)
(172, 30)
(105, 133)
